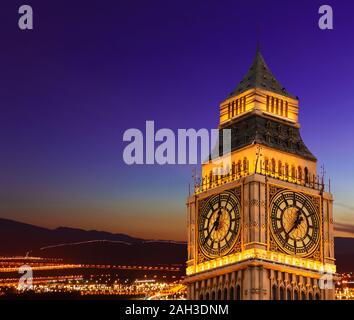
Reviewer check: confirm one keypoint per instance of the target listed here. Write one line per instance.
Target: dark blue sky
(92, 69)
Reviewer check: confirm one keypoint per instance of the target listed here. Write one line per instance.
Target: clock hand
(215, 225)
(216, 222)
(291, 229)
(219, 212)
(299, 218)
(209, 234)
(297, 221)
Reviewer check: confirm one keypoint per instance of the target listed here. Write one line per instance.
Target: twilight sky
(92, 69)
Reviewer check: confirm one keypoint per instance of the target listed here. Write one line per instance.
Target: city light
(54, 277)
(345, 287)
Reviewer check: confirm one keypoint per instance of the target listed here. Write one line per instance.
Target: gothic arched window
(288, 294)
(232, 293)
(238, 292)
(286, 170)
(225, 294)
(266, 164)
(245, 166)
(267, 103)
(281, 294)
(273, 166)
(280, 168)
(281, 107)
(274, 292)
(239, 166)
(293, 172)
(286, 109)
(272, 105)
(306, 175)
(299, 173)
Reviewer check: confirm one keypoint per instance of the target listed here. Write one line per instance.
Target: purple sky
(90, 70)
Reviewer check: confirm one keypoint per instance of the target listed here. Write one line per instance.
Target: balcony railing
(314, 182)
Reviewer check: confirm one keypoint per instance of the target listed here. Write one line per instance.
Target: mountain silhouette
(81, 246)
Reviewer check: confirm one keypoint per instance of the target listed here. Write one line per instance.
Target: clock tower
(262, 230)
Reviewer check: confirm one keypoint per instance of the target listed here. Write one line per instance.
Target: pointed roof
(260, 76)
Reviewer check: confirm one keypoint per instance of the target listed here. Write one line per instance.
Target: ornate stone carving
(273, 246)
(237, 192)
(237, 248)
(201, 258)
(316, 255)
(273, 190)
(254, 203)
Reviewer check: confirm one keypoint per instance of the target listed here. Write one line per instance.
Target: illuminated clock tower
(264, 230)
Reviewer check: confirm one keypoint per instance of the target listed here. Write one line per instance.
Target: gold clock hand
(294, 225)
(299, 219)
(215, 225)
(209, 234)
(291, 229)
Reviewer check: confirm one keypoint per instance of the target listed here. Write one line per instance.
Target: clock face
(219, 224)
(295, 223)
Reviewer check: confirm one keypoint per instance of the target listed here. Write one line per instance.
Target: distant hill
(81, 246)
